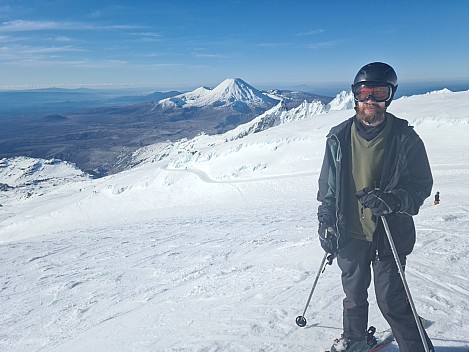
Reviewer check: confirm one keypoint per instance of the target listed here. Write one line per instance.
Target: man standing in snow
(375, 165)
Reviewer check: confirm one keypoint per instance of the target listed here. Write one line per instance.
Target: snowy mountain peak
(343, 101)
(237, 89)
(228, 93)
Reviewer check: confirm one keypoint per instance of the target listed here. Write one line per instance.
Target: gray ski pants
(355, 261)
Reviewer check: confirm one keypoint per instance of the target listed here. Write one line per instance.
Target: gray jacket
(406, 172)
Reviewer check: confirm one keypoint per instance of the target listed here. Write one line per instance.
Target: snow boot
(344, 344)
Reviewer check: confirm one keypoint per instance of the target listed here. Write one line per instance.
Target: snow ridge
(279, 114)
(343, 101)
(21, 171)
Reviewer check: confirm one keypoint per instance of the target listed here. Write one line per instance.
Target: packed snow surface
(210, 244)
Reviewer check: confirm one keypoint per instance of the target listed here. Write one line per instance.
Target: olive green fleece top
(367, 165)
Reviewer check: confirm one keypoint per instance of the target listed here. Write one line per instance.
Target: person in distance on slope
(375, 165)
(437, 198)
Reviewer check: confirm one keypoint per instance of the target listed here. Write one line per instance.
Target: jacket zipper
(338, 159)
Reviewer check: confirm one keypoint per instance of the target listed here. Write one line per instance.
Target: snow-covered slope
(22, 177)
(23, 171)
(279, 115)
(276, 116)
(210, 245)
(227, 93)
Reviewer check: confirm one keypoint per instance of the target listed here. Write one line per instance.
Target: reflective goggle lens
(378, 93)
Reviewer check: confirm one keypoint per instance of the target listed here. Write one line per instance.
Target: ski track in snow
(169, 284)
(163, 274)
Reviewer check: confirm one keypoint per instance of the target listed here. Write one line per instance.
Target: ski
(385, 338)
(376, 340)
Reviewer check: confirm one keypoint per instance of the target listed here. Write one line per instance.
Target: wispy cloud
(116, 62)
(86, 63)
(23, 26)
(311, 32)
(17, 53)
(324, 45)
(273, 45)
(163, 65)
(119, 26)
(53, 49)
(37, 59)
(62, 38)
(96, 14)
(210, 56)
(204, 53)
(148, 36)
(39, 49)
(29, 26)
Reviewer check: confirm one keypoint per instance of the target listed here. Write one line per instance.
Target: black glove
(380, 203)
(328, 238)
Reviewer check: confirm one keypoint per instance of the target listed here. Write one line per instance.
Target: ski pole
(300, 320)
(401, 272)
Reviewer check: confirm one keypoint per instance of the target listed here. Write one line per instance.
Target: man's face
(371, 112)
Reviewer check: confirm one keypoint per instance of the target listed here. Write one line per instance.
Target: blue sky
(179, 44)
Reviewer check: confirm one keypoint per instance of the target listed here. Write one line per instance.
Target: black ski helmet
(377, 73)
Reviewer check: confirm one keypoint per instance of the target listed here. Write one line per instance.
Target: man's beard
(371, 118)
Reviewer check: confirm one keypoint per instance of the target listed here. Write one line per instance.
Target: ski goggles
(379, 93)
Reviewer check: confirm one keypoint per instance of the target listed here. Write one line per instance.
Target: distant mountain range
(99, 133)
(51, 101)
(60, 100)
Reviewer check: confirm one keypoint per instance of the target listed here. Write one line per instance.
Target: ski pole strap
(330, 259)
(370, 336)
